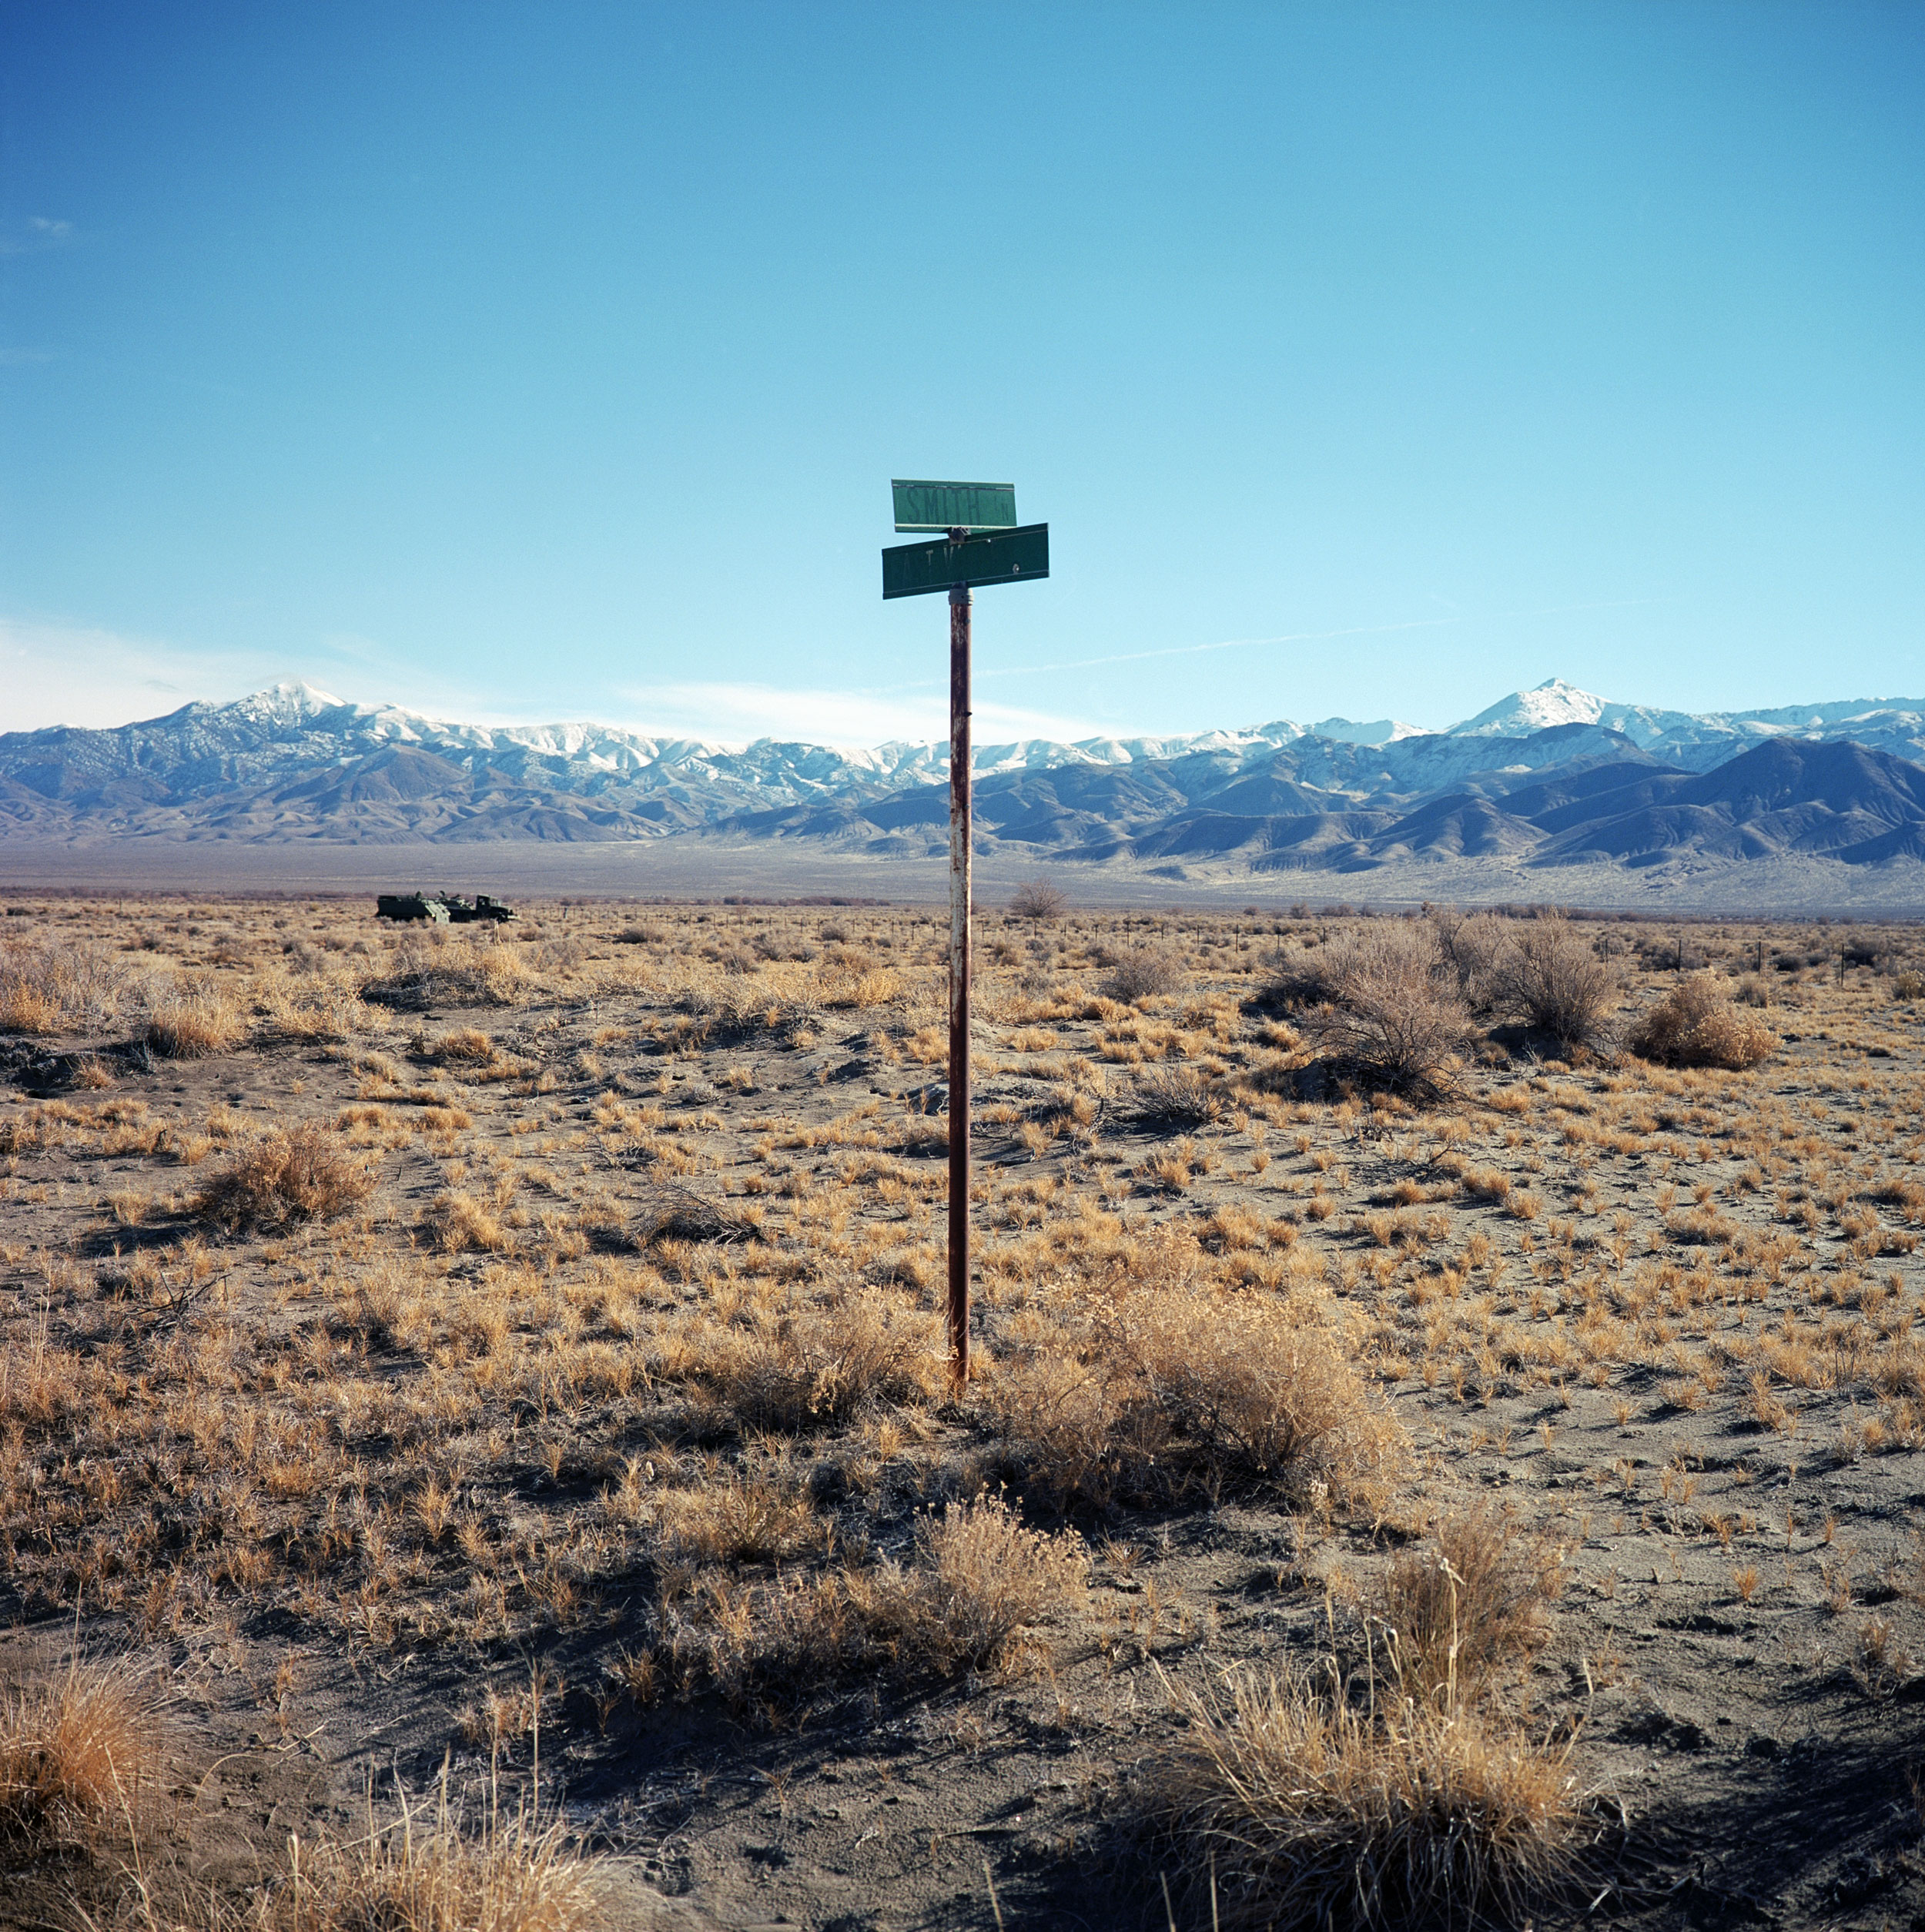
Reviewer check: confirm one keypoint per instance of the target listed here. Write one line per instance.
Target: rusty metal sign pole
(960, 843)
(994, 548)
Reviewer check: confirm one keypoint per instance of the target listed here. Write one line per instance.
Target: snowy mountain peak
(291, 701)
(1553, 702)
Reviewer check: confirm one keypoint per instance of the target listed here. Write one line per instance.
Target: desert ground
(476, 1446)
(696, 867)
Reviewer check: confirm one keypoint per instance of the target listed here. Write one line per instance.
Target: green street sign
(1000, 557)
(954, 506)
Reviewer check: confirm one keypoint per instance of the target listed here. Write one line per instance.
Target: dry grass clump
(738, 1009)
(978, 1583)
(425, 1869)
(1174, 1096)
(1549, 976)
(1393, 1009)
(810, 1367)
(489, 975)
(1145, 972)
(666, 1211)
(192, 1023)
(1313, 1812)
(464, 1046)
(981, 1579)
(1151, 1378)
(1452, 1615)
(461, 1223)
(81, 1756)
(58, 989)
(1696, 1024)
(283, 1177)
(749, 1518)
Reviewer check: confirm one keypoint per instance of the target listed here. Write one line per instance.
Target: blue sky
(530, 362)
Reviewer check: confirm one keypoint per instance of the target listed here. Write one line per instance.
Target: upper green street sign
(954, 506)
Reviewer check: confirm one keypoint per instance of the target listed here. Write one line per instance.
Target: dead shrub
(82, 1755)
(738, 1009)
(1312, 1811)
(665, 1212)
(561, 957)
(1696, 1025)
(774, 1643)
(58, 989)
(193, 1023)
(1074, 1430)
(1145, 972)
(1393, 1009)
(1155, 1380)
(1166, 1095)
(813, 1366)
(283, 1177)
(1473, 949)
(1039, 899)
(1550, 977)
(1450, 1616)
(1299, 979)
(319, 1006)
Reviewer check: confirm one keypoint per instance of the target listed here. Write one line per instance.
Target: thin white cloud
(734, 713)
(1310, 637)
(66, 674)
(36, 233)
(57, 673)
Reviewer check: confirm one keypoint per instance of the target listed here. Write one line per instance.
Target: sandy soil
(1665, 1323)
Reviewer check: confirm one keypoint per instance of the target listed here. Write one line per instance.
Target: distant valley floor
(704, 866)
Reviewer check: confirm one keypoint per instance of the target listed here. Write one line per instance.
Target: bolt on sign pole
(982, 543)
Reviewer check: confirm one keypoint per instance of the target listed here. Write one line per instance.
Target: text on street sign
(998, 556)
(954, 506)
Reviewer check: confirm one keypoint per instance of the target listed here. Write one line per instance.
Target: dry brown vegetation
(82, 1757)
(1702, 1024)
(281, 1177)
(1309, 1803)
(1391, 1008)
(419, 1865)
(1407, 1422)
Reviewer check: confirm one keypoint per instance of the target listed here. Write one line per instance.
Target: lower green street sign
(954, 506)
(997, 557)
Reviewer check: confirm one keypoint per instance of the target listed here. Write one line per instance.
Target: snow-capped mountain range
(1700, 739)
(1552, 771)
(293, 723)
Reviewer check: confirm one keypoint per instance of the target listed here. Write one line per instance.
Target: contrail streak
(1301, 637)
